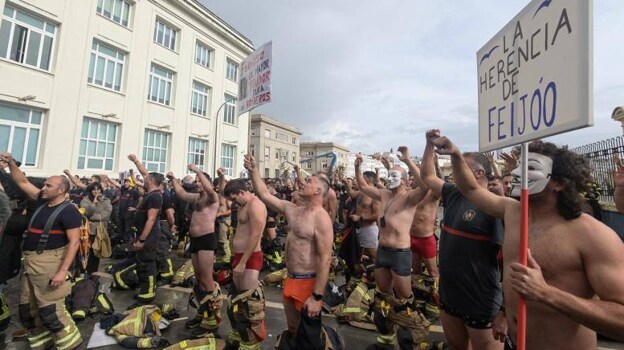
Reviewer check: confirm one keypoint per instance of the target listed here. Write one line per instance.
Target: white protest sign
(536, 75)
(254, 84)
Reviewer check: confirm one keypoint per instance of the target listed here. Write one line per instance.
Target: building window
(199, 99)
(229, 110)
(161, 82)
(165, 35)
(252, 150)
(310, 153)
(26, 39)
(228, 153)
(277, 173)
(203, 55)
(267, 134)
(106, 66)
(117, 11)
(20, 133)
(324, 165)
(97, 145)
(197, 152)
(294, 157)
(266, 173)
(294, 140)
(231, 70)
(267, 152)
(277, 154)
(281, 137)
(308, 165)
(155, 146)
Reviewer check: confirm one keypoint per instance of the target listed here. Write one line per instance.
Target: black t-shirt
(152, 200)
(128, 198)
(167, 203)
(69, 218)
(469, 243)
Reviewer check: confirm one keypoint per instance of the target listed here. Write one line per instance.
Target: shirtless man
(308, 244)
(330, 201)
(203, 244)
(223, 223)
(393, 263)
(246, 308)
(365, 218)
(572, 258)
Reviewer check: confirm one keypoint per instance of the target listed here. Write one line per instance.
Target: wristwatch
(317, 297)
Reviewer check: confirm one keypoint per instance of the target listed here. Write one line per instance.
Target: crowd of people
(573, 283)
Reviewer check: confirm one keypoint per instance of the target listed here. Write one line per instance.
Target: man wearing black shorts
(470, 290)
(393, 305)
(203, 246)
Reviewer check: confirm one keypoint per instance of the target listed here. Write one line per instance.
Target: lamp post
(215, 136)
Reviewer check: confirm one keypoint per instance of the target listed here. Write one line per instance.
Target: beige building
(316, 156)
(275, 145)
(86, 82)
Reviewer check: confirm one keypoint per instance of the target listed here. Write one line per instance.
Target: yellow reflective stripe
(137, 321)
(119, 281)
(145, 343)
(79, 313)
(351, 310)
(40, 335)
(104, 302)
(387, 339)
(70, 342)
(41, 342)
(150, 289)
(360, 290)
(169, 272)
(234, 336)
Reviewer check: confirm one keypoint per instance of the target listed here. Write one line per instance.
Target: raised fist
(405, 156)
(249, 163)
(132, 158)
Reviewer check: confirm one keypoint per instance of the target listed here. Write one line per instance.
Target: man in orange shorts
(246, 307)
(308, 244)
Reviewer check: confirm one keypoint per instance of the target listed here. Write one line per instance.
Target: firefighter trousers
(42, 307)
(146, 269)
(246, 314)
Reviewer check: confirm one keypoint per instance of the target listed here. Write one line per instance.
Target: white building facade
(85, 83)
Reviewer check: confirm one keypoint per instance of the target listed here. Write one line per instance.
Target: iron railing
(600, 155)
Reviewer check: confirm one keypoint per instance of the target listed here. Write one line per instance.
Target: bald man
(48, 253)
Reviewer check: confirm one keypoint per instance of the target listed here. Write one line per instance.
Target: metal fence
(600, 155)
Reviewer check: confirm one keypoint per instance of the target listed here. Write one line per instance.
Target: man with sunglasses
(308, 244)
(393, 305)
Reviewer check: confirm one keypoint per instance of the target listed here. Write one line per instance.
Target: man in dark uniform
(148, 233)
(168, 228)
(49, 250)
(128, 200)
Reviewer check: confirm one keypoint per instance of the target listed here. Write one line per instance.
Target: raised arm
(261, 188)
(111, 182)
(619, 184)
(351, 193)
(75, 181)
(364, 187)
(495, 170)
(427, 168)
(180, 191)
(205, 183)
(416, 195)
(222, 180)
(140, 167)
(466, 182)
(300, 180)
(20, 179)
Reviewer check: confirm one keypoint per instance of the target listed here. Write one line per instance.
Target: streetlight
(216, 134)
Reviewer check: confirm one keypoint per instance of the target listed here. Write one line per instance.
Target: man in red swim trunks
(308, 244)
(246, 307)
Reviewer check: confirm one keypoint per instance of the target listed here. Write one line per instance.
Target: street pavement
(354, 338)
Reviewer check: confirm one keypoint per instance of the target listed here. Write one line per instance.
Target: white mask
(394, 179)
(540, 169)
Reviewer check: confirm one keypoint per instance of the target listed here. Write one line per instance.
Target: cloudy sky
(377, 74)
